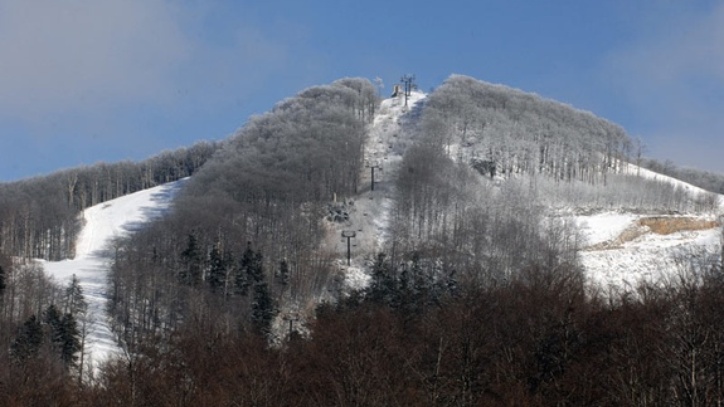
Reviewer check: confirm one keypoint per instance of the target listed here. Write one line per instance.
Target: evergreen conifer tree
(282, 276)
(52, 317)
(28, 340)
(242, 279)
(64, 335)
(256, 268)
(217, 270)
(191, 272)
(2, 281)
(262, 308)
(383, 287)
(75, 300)
(68, 341)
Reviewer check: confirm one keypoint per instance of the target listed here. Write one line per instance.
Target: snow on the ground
(629, 168)
(611, 263)
(94, 252)
(650, 258)
(604, 227)
(612, 260)
(608, 262)
(370, 210)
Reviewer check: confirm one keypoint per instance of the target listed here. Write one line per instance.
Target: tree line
(517, 132)
(707, 180)
(39, 216)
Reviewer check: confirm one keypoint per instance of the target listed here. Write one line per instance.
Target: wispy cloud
(673, 77)
(85, 57)
(68, 55)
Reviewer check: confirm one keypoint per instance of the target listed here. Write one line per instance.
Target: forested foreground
(537, 340)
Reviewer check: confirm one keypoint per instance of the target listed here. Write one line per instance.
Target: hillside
(94, 253)
(494, 258)
(474, 183)
(617, 243)
(616, 249)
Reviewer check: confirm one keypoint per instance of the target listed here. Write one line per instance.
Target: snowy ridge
(629, 168)
(102, 224)
(617, 252)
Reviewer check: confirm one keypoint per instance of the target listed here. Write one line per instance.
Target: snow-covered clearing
(370, 211)
(621, 251)
(102, 224)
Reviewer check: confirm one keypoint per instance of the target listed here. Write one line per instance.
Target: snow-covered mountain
(619, 248)
(94, 252)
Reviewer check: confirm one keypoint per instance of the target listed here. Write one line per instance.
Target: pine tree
(64, 335)
(217, 270)
(242, 279)
(28, 340)
(383, 288)
(256, 268)
(75, 300)
(423, 284)
(191, 272)
(2, 281)
(282, 276)
(52, 318)
(68, 341)
(262, 308)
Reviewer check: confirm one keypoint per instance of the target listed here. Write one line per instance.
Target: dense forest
(477, 297)
(489, 165)
(245, 231)
(539, 340)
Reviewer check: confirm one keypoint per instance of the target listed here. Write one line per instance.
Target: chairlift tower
(408, 81)
(349, 234)
(372, 166)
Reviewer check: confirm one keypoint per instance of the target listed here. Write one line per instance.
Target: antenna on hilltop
(408, 82)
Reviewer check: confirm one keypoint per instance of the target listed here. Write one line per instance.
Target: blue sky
(84, 81)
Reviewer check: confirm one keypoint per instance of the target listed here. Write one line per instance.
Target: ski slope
(369, 214)
(94, 252)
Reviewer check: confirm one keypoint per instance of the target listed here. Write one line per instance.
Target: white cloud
(64, 58)
(672, 75)
(64, 55)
